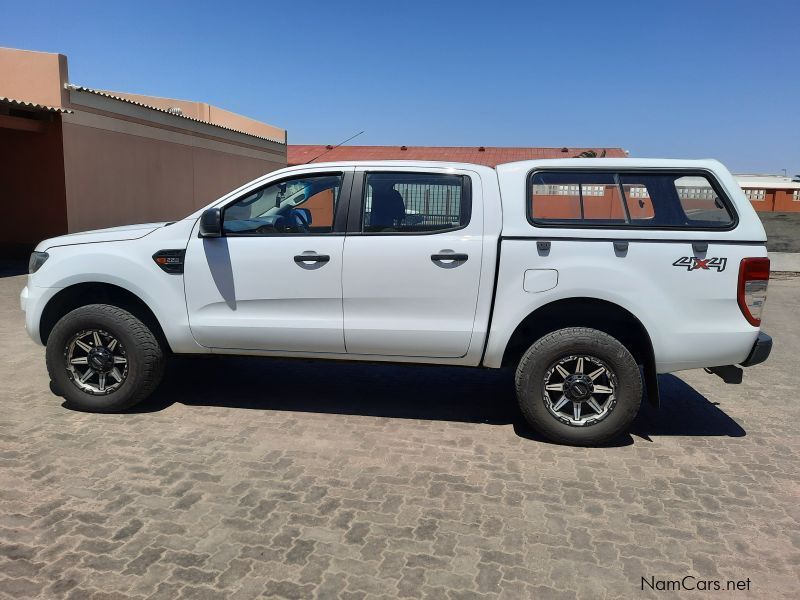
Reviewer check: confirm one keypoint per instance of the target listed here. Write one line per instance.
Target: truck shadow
(404, 392)
(12, 267)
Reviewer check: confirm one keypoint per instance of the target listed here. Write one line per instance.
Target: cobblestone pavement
(243, 478)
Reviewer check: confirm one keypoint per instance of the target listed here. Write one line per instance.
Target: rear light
(752, 290)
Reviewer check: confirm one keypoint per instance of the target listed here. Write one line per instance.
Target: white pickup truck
(588, 276)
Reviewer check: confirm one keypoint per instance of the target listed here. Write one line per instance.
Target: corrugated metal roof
(766, 182)
(482, 155)
(34, 106)
(80, 88)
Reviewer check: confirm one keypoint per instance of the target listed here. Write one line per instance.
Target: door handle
(317, 258)
(449, 256)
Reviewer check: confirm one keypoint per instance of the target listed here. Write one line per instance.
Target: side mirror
(211, 223)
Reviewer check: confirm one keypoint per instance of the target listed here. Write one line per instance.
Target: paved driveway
(244, 478)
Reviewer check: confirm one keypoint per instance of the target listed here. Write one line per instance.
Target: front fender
(125, 264)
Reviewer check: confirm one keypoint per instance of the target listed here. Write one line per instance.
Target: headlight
(36, 261)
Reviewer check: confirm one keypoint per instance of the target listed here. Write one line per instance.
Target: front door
(272, 282)
(412, 263)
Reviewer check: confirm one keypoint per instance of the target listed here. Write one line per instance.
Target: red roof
(489, 155)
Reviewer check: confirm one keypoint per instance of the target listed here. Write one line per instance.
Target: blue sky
(665, 79)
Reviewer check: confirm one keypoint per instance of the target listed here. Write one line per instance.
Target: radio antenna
(334, 147)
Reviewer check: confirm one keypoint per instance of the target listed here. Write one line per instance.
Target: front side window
(301, 205)
(415, 202)
(626, 199)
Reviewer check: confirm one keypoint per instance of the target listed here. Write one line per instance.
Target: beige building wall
(108, 161)
(36, 77)
(121, 171)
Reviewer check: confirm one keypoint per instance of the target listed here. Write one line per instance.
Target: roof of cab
(388, 163)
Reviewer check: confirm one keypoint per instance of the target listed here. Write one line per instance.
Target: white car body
(381, 298)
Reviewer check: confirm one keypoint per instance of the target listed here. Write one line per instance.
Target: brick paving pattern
(290, 479)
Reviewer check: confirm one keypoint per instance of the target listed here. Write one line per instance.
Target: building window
(796, 196)
(697, 193)
(755, 195)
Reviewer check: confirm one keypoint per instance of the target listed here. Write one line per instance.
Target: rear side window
(415, 202)
(627, 199)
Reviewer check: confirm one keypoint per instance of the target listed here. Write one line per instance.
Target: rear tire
(102, 358)
(579, 386)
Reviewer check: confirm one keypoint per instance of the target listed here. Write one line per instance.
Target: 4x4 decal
(692, 263)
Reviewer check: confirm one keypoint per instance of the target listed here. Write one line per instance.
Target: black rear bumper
(760, 351)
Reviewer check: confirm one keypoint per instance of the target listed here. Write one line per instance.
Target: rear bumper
(760, 351)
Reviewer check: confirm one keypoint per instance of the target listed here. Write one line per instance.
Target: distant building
(771, 193)
(479, 155)
(74, 158)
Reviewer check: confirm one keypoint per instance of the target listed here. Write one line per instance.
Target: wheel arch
(85, 293)
(603, 315)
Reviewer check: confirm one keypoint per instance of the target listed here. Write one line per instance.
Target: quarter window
(415, 202)
(626, 199)
(700, 201)
(297, 206)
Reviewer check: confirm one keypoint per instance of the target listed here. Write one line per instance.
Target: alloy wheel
(580, 390)
(96, 361)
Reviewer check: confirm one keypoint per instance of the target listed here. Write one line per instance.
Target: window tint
(673, 200)
(626, 200)
(302, 205)
(640, 205)
(415, 202)
(700, 200)
(592, 197)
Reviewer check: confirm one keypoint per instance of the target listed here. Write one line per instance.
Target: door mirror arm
(211, 223)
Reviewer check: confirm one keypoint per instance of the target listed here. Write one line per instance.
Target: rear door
(412, 262)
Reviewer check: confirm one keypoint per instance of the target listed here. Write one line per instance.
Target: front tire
(102, 358)
(579, 386)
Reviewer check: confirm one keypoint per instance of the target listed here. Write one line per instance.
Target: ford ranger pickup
(588, 277)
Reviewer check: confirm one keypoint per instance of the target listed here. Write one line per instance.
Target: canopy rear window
(622, 199)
